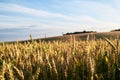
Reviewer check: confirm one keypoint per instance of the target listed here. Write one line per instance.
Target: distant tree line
(115, 30)
(80, 32)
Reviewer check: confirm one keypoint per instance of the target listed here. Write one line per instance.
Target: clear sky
(20, 18)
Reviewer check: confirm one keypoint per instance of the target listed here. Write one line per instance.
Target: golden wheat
(57, 60)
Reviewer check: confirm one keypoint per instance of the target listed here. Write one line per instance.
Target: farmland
(66, 58)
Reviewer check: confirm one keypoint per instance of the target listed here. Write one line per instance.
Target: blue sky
(20, 18)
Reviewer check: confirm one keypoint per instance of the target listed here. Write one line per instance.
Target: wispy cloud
(27, 10)
(73, 24)
(18, 21)
(70, 16)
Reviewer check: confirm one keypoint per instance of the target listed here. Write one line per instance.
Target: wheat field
(58, 60)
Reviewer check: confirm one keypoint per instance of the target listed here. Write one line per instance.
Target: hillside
(83, 36)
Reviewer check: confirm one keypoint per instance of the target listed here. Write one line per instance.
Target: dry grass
(57, 60)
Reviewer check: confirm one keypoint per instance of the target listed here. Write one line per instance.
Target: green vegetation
(61, 60)
(80, 32)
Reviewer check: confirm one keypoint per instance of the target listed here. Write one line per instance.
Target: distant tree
(80, 32)
(115, 30)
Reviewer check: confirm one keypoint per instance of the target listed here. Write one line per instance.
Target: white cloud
(103, 10)
(106, 18)
(23, 9)
(79, 15)
(75, 23)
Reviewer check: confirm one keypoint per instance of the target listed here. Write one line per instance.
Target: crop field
(58, 60)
